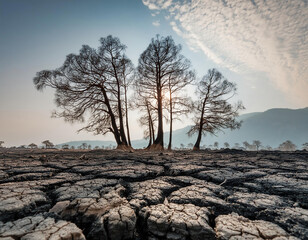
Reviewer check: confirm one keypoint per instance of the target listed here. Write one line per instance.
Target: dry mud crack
(115, 195)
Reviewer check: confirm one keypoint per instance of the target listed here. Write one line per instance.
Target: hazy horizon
(262, 46)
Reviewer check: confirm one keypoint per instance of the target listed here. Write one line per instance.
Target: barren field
(150, 195)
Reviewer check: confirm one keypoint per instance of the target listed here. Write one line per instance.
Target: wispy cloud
(247, 36)
(156, 23)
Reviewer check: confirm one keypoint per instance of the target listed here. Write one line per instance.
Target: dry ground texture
(117, 195)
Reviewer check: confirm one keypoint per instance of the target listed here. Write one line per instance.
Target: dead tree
(256, 144)
(48, 144)
(177, 103)
(213, 112)
(92, 84)
(156, 64)
(143, 101)
(287, 146)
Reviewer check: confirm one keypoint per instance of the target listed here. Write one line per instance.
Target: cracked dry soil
(115, 195)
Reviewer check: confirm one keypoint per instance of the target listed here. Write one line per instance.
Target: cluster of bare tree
(93, 86)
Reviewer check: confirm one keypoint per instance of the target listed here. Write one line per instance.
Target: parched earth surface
(116, 195)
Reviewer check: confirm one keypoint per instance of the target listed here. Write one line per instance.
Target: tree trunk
(197, 144)
(122, 131)
(150, 126)
(170, 133)
(126, 115)
(112, 118)
(159, 141)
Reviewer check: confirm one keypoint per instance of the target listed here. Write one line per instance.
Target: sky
(261, 45)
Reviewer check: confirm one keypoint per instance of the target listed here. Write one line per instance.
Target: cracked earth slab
(40, 227)
(151, 195)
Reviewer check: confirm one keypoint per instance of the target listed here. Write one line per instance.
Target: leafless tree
(236, 146)
(216, 144)
(32, 145)
(227, 145)
(84, 146)
(287, 146)
(213, 112)
(1, 142)
(177, 103)
(48, 144)
(305, 146)
(65, 146)
(247, 145)
(159, 62)
(144, 102)
(256, 144)
(93, 83)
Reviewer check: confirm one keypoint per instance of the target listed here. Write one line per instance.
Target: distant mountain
(271, 127)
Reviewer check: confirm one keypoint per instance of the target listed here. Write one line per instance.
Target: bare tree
(227, 145)
(287, 146)
(84, 146)
(65, 146)
(216, 144)
(32, 145)
(305, 146)
(92, 83)
(213, 112)
(256, 144)
(236, 146)
(1, 142)
(177, 103)
(144, 102)
(247, 145)
(159, 62)
(48, 144)
(190, 145)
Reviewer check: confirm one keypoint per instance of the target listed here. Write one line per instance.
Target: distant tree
(305, 146)
(237, 146)
(32, 145)
(268, 148)
(182, 146)
(92, 84)
(213, 112)
(89, 147)
(227, 145)
(216, 144)
(190, 145)
(247, 145)
(1, 142)
(84, 146)
(157, 64)
(48, 144)
(287, 146)
(72, 147)
(256, 144)
(65, 146)
(96, 147)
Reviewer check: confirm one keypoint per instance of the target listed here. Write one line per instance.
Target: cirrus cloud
(247, 36)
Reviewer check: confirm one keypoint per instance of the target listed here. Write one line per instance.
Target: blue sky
(266, 58)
